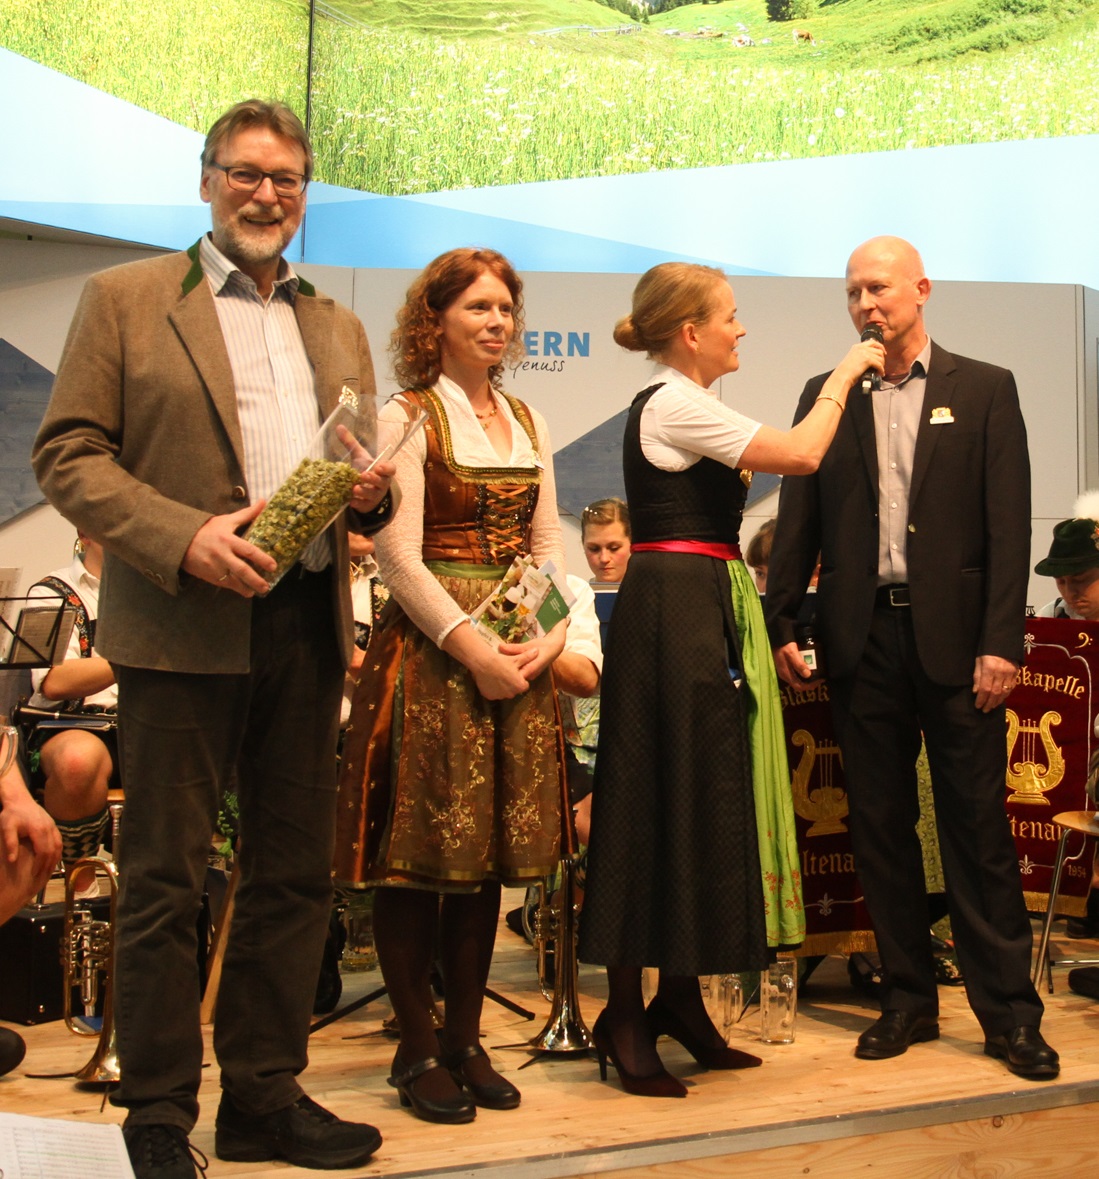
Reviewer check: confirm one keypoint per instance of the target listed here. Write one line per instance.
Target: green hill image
(421, 95)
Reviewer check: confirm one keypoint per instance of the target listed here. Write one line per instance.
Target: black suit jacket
(968, 549)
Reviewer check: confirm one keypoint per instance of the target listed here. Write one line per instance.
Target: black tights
(406, 921)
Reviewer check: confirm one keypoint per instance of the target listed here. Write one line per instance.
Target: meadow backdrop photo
(420, 96)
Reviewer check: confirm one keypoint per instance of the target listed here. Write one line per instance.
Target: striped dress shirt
(273, 376)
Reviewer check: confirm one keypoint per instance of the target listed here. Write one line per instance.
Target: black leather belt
(892, 595)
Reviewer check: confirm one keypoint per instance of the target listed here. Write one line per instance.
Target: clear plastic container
(778, 1000)
(732, 1004)
(320, 487)
(9, 744)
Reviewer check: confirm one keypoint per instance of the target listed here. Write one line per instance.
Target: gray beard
(236, 243)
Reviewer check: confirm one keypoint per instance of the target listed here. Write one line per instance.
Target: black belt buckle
(898, 595)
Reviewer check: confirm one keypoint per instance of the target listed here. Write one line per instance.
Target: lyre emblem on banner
(825, 804)
(1029, 780)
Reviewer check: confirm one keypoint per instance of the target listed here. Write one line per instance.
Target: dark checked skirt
(675, 877)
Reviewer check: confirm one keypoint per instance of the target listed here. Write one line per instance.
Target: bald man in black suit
(921, 514)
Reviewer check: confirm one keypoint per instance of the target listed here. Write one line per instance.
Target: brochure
(527, 604)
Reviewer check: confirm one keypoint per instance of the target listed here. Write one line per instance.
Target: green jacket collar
(194, 276)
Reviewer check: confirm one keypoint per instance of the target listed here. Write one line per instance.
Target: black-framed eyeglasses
(286, 184)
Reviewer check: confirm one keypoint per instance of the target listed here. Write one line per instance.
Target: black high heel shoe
(498, 1094)
(450, 1110)
(663, 1021)
(658, 1084)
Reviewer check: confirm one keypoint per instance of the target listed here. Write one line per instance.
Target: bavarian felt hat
(1075, 548)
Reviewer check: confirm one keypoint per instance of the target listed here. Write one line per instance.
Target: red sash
(704, 548)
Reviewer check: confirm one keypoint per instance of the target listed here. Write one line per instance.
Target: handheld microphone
(871, 379)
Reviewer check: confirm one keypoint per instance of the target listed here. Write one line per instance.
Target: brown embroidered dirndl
(439, 787)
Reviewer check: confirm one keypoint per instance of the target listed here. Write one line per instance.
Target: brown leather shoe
(1025, 1053)
(893, 1031)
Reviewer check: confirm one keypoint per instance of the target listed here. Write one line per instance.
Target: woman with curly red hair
(452, 783)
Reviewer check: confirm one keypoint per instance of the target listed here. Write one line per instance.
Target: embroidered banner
(1050, 738)
(836, 921)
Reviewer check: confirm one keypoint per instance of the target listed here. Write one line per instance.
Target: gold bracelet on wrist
(831, 397)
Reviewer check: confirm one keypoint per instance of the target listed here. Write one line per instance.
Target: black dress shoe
(497, 1094)
(160, 1151)
(893, 1031)
(451, 1111)
(1025, 1053)
(304, 1134)
(1082, 929)
(12, 1050)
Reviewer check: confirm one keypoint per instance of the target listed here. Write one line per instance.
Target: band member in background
(758, 553)
(77, 764)
(920, 512)
(1073, 560)
(30, 846)
(605, 535)
(189, 388)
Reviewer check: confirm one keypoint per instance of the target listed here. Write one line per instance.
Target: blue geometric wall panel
(24, 391)
(590, 468)
(403, 233)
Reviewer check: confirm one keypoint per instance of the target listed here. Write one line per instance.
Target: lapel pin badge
(941, 416)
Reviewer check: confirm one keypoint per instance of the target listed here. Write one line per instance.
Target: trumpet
(565, 1030)
(87, 951)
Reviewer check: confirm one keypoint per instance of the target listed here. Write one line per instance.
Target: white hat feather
(1087, 506)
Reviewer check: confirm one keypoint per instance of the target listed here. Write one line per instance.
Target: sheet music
(35, 631)
(9, 580)
(50, 1148)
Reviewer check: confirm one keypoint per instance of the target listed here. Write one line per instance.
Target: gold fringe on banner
(1036, 902)
(853, 941)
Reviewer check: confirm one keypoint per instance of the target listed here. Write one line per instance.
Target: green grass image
(421, 95)
(184, 59)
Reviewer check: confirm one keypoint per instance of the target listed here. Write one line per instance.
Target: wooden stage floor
(942, 1109)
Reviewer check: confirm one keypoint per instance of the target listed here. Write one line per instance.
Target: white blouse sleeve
(399, 550)
(678, 428)
(582, 637)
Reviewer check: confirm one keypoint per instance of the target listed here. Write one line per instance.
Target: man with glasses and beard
(189, 388)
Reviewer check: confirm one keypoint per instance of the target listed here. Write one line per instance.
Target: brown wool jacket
(141, 444)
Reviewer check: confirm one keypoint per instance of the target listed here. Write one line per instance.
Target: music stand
(39, 634)
(364, 1000)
